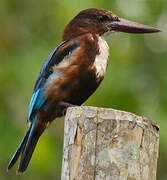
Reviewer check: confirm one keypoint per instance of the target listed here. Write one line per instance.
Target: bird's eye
(102, 18)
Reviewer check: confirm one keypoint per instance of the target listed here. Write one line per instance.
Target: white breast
(102, 58)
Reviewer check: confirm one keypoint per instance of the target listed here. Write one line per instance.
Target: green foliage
(136, 79)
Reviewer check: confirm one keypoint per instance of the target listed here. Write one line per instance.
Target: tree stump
(108, 144)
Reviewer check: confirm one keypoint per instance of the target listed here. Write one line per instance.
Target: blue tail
(26, 148)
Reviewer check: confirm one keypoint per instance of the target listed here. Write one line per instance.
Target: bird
(71, 73)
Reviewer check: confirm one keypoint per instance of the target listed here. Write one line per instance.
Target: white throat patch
(102, 58)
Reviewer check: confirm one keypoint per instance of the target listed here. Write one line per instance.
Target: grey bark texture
(108, 144)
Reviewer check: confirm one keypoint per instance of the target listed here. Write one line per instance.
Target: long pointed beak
(124, 25)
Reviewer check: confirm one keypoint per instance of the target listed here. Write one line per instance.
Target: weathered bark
(108, 144)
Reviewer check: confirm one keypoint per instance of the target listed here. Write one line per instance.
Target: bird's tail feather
(26, 148)
(18, 151)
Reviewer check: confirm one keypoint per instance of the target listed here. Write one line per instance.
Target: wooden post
(108, 144)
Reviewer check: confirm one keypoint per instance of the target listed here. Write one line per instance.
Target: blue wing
(36, 102)
(38, 99)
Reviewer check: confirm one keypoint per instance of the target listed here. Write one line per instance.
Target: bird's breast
(79, 74)
(101, 58)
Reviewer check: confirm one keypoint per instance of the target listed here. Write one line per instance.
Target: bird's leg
(66, 104)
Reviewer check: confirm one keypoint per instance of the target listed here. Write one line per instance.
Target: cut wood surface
(108, 144)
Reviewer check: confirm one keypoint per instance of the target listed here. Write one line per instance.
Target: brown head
(100, 21)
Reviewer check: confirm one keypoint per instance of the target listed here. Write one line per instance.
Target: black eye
(102, 18)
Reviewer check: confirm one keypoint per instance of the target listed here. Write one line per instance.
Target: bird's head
(100, 21)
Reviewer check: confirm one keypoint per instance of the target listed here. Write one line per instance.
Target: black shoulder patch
(54, 58)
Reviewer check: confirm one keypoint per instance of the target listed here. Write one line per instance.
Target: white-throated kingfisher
(72, 72)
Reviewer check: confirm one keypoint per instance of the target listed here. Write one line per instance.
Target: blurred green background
(136, 79)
